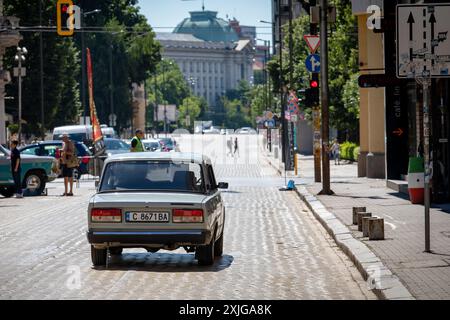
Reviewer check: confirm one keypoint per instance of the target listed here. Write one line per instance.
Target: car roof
(163, 156)
(150, 140)
(47, 142)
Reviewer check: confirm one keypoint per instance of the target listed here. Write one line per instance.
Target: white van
(81, 133)
(108, 132)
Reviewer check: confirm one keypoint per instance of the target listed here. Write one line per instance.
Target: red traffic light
(314, 84)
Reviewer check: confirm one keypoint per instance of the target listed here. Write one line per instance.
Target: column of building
(372, 105)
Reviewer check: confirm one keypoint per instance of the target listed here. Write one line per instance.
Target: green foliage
(191, 106)
(349, 151)
(343, 67)
(133, 55)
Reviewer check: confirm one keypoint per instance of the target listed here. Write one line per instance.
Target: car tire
(115, 251)
(7, 192)
(205, 254)
(37, 180)
(218, 246)
(98, 256)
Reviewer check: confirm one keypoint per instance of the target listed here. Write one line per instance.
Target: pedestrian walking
(236, 147)
(336, 152)
(69, 161)
(136, 142)
(230, 146)
(16, 168)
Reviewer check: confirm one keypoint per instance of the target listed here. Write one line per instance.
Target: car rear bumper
(160, 237)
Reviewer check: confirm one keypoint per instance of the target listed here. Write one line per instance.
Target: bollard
(360, 216)
(365, 225)
(376, 229)
(355, 213)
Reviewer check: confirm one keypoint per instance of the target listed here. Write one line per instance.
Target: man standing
(68, 163)
(136, 142)
(236, 147)
(15, 168)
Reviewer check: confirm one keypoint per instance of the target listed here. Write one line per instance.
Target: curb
(387, 286)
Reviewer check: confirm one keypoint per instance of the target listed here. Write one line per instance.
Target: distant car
(52, 148)
(157, 201)
(167, 144)
(223, 131)
(108, 132)
(211, 130)
(35, 173)
(246, 130)
(115, 146)
(152, 145)
(80, 133)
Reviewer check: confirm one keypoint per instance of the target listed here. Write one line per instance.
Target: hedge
(349, 151)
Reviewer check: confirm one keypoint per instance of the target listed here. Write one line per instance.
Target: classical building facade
(209, 53)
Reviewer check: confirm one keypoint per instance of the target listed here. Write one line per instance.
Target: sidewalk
(425, 275)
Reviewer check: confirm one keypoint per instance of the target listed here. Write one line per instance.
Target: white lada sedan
(157, 201)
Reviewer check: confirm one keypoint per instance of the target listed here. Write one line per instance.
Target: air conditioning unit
(5, 76)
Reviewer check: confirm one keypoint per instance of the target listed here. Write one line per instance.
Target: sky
(165, 15)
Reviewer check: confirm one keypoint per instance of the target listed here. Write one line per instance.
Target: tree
(61, 59)
(343, 66)
(191, 107)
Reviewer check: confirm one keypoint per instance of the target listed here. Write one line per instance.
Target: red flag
(96, 129)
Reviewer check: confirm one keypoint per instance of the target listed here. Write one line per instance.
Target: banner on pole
(99, 144)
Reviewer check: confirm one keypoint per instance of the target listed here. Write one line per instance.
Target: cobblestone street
(274, 248)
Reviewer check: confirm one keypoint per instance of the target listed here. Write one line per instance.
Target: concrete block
(365, 225)
(360, 216)
(355, 213)
(376, 229)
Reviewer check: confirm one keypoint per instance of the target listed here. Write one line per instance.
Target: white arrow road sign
(423, 42)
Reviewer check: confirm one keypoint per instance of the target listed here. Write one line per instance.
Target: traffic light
(314, 90)
(313, 84)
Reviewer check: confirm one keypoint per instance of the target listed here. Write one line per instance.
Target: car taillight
(85, 160)
(187, 216)
(106, 215)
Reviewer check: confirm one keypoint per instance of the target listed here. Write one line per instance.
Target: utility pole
(41, 53)
(326, 188)
(283, 119)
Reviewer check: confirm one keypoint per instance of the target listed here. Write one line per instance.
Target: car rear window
(152, 176)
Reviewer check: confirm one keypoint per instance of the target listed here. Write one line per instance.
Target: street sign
(423, 47)
(313, 42)
(312, 63)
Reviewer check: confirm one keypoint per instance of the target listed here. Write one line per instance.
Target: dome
(206, 26)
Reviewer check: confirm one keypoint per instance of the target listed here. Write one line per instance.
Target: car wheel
(115, 251)
(98, 256)
(7, 192)
(205, 254)
(218, 246)
(34, 183)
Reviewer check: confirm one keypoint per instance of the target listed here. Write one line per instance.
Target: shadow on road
(164, 262)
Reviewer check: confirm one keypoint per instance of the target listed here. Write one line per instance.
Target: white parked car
(157, 201)
(246, 130)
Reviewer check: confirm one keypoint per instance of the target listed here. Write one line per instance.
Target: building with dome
(210, 54)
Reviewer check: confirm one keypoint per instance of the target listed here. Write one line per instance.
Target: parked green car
(36, 172)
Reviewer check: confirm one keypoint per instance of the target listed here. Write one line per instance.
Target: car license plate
(147, 217)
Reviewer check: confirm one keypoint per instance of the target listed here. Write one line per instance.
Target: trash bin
(416, 180)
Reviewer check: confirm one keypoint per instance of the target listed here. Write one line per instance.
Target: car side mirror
(97, 183)
(222, 185)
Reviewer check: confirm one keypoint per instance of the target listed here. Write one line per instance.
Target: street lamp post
(192, 82)
(20, 57)
(165, 91)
